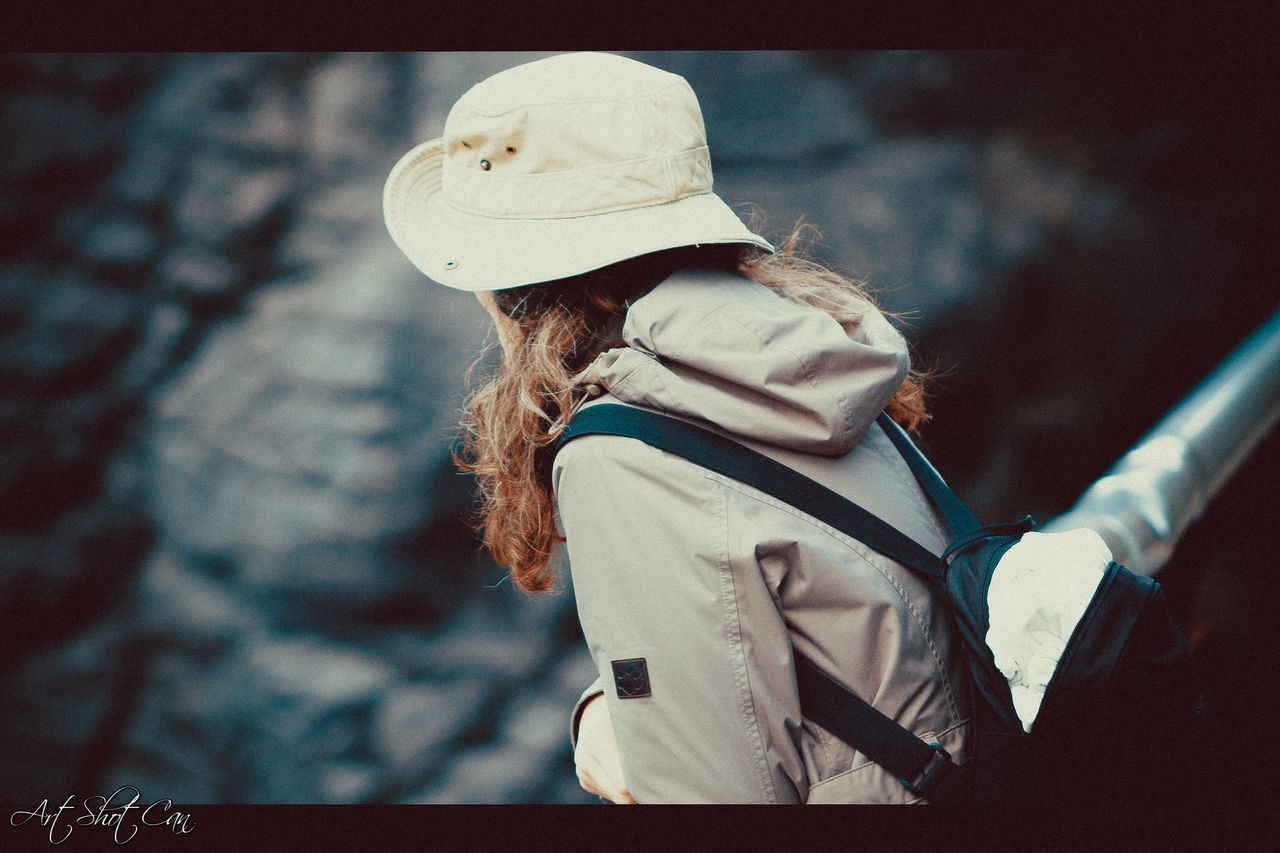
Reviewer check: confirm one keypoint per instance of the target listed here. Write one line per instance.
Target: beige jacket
(712, 582)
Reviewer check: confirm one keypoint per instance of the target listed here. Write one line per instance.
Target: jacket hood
(728, 350)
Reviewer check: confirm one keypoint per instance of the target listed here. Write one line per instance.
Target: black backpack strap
(952, 508)
(920, 766)
(725, 456)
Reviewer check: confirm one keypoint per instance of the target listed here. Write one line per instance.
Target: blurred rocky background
(233, 560)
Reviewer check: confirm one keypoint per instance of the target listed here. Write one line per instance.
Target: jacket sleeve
(593, 690)
(701, 652)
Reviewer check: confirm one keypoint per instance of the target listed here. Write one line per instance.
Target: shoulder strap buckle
(935, 772)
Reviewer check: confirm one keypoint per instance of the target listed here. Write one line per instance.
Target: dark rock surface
(232, 561)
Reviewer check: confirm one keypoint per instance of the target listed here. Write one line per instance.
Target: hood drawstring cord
(593, 390)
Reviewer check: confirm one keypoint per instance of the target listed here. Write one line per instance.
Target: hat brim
(474, 253)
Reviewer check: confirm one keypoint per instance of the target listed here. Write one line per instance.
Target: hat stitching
(511, 186)
(578, 215)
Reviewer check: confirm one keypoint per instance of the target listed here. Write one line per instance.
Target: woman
(573, 196)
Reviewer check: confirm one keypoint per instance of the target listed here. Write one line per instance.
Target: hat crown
(570, 113)
(566, 78)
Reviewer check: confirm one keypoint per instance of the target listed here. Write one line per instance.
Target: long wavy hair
(511, 421)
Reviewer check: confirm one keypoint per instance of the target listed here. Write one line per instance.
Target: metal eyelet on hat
(485, 165)
(451, 265)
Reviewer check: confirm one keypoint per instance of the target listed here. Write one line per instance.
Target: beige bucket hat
(557, 167)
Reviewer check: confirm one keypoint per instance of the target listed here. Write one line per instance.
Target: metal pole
(1156, 490)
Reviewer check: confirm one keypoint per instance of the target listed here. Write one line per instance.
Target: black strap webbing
(728, 457)
(825, 701)
(847, 716)
(952, 508)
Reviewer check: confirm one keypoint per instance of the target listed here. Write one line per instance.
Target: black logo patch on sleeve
(631, 677)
